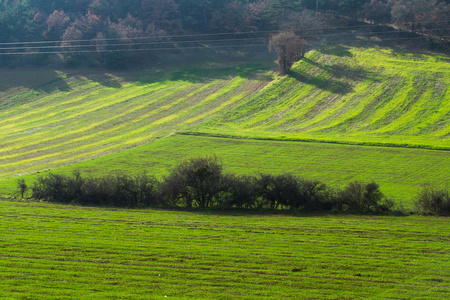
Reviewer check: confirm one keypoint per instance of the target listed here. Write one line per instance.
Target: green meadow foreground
(65, 252)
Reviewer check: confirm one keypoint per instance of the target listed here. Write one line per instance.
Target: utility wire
(71, 46)
(216, 34)
(191, 48)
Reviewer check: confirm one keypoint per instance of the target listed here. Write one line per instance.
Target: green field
(400, 172)
(66, 252)
(338, 95)
(350, 95)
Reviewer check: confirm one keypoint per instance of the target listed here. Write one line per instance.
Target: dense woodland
(117, 33)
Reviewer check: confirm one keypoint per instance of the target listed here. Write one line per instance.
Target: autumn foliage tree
(57, 24)
(289, 48)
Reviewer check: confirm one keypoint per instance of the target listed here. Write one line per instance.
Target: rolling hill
(347, 95)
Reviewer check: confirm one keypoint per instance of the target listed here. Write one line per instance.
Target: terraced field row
(90, 119)
(372, 96)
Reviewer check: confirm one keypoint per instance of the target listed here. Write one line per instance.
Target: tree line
(114, 31)
(201, 183)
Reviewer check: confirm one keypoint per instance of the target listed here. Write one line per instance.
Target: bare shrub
(432, 199)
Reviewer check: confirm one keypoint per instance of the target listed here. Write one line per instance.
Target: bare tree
(21, 186)
(289, 47)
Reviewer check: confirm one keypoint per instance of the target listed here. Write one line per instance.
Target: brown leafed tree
(71, 36)
(57, 23)
(304, 23)
(289, 47)
(421, 15)
(89, 25)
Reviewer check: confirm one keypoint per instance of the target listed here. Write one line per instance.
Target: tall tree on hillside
(57, 23)
(72, 57)
(350, 7)
(119, 43)
(420, 15)
(289, 47)
(89, 24)
(306, 23)
(101, 8)
(404, 13)
(378, 11)
(196, 14)
(239, 16)
(279, 9)
(16, 21)
(162, 13)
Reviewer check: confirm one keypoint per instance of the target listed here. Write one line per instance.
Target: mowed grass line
(97, 127)
(61, 252)
(99, 123)
(88, 107)
(400, 172)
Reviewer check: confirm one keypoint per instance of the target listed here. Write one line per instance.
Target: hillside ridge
(370, 96)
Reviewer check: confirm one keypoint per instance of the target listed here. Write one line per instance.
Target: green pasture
(130, 122)
(371, 96)
(66, 252)
(400, 172)
(83, 115)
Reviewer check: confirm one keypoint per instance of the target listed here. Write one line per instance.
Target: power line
(134, 44)
(215, 34)
(71, 47)
(193, 48)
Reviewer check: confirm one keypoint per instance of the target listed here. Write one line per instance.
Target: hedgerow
(201, 183)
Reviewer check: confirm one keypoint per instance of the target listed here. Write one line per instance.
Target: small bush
(198, 181)
(358, 196)
(52, 188)
(122, 191)
(433, 200)
(238, 192)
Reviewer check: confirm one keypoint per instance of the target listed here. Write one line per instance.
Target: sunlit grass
(372, 96)
(57, 252)
(345, 95)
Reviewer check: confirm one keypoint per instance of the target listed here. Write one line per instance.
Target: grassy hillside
(369, 96)
(356, 95)
(64, 252)
(78, 116)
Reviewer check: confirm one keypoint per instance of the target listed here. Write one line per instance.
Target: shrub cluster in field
(433, 200)
(201, 182)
